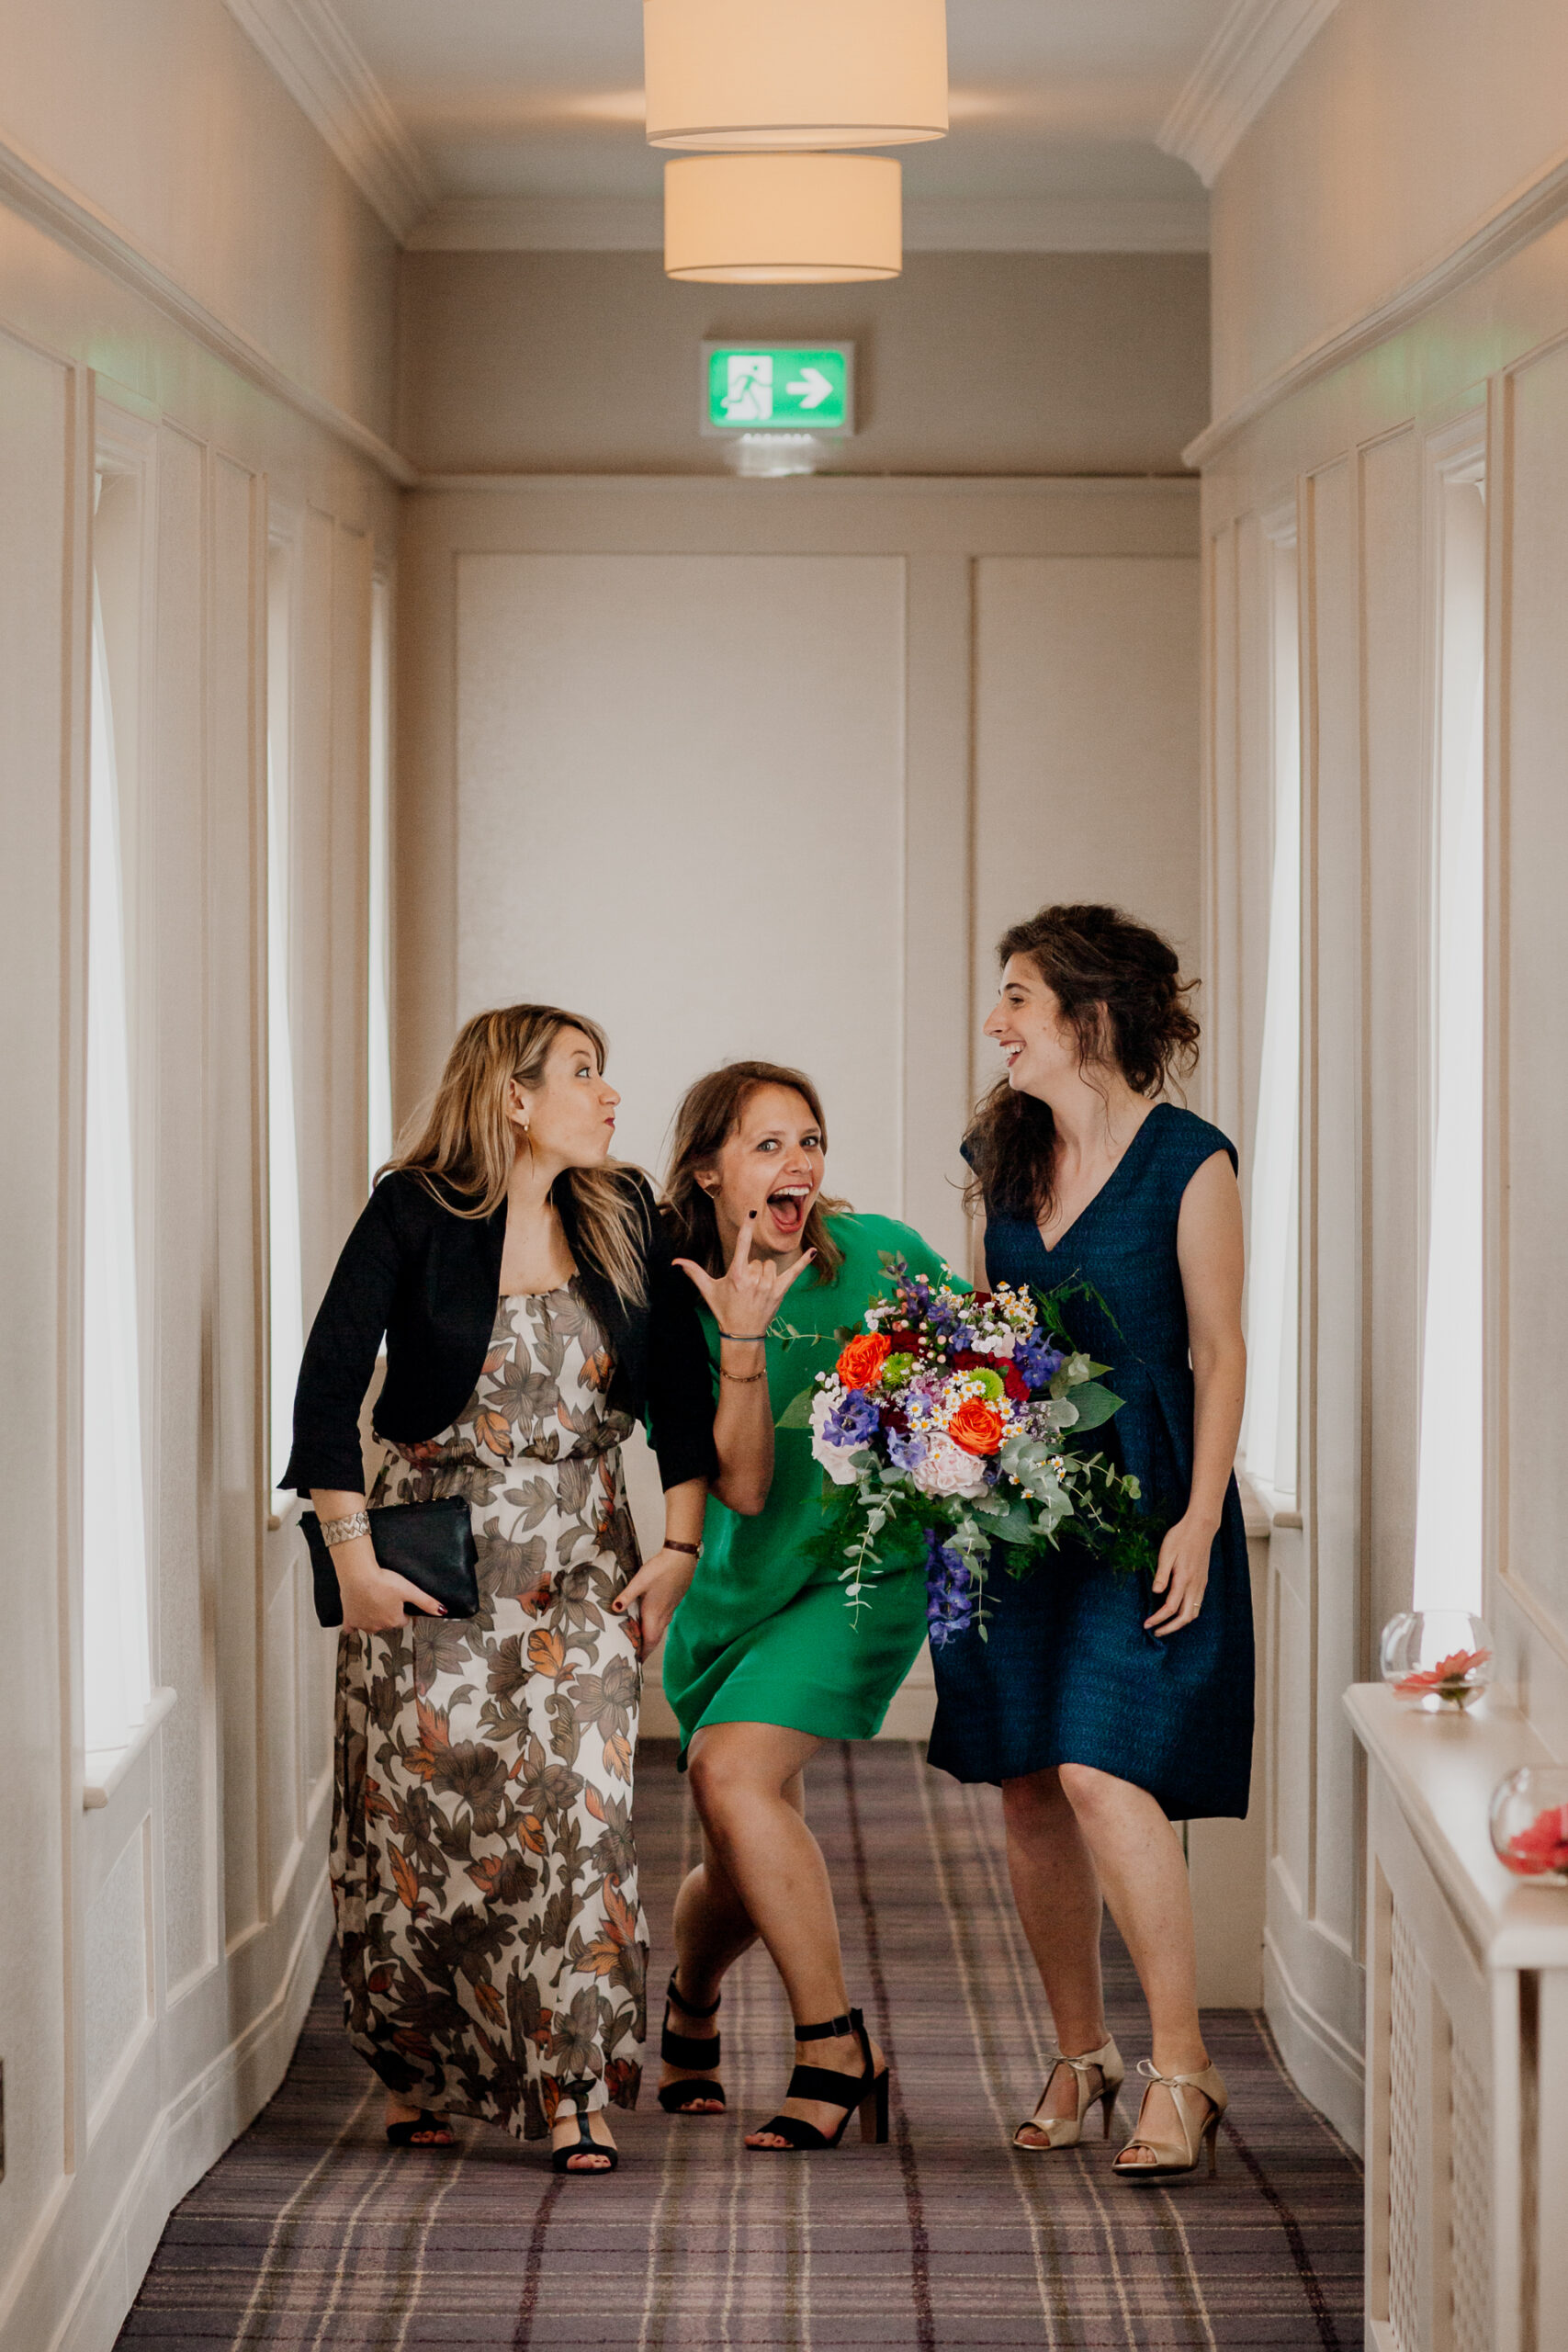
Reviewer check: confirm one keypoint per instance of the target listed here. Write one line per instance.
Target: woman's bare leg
(1057, 1889)
(712, 1927)
(1140, 1866)
(744, 1777)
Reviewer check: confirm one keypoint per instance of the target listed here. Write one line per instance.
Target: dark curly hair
(1120, 985)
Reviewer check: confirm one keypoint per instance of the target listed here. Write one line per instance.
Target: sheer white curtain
(115, 1655)
(287, 1321)
(1268, 1431)
(380, 1042)
(1449, 1487)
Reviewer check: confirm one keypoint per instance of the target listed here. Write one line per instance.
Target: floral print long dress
(482, 1863)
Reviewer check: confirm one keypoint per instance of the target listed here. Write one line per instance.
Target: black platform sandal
(406, 2134)
(867, 2090)
(688, 2050)
(585, 2144)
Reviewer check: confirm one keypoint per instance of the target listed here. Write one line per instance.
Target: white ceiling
(543, 99)
(1076, 124)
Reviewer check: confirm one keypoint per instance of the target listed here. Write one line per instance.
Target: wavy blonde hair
(462, 1141)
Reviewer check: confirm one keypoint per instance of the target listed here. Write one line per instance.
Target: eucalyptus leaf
(797, 1414)
(1096, 1404)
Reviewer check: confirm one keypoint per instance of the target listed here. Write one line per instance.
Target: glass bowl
(1438, 1659)
(1529, 1824)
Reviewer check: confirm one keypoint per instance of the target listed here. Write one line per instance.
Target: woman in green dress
(764, 1660)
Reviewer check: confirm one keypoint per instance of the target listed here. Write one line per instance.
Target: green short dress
(764, 1634)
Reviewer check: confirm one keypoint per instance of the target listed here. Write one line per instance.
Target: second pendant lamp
(783, 220)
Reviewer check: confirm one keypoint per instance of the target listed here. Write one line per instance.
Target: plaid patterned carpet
(310, 2233)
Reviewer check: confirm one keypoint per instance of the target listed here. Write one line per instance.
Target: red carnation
(1014, 1383)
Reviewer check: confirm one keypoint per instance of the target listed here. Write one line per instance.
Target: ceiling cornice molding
(324, 72)
(1257, 44)
(1048, 224)
(34, 192)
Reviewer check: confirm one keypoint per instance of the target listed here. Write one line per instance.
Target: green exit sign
(779, 387)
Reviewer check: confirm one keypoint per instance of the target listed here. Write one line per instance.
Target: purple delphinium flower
(1038, 1363)
(906, 1449)
(950, 1591)
(852, 1421)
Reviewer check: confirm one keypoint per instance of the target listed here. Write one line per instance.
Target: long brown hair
(1120, 987)
(461, 1144)
(710, 1112)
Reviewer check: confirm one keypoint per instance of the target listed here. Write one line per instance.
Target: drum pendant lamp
(783, 220)
(734, 75)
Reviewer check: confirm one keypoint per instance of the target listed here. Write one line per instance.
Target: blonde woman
(483, 1863)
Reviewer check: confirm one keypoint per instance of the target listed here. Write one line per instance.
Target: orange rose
(977, 1426)
(861, 1360)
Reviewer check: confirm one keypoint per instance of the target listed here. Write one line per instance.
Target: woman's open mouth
(787, 1207)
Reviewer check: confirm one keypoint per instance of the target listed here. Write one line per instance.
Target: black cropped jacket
(429, 1280)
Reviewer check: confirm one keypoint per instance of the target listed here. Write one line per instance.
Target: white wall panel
(1086, 746)
(1533, 878)
(40, 800)
(118, 1965)
(1332, 1141)
(179, 943)
(1394, 1013)
(681, 810)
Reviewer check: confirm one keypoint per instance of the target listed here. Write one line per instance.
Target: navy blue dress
(1068, 1675)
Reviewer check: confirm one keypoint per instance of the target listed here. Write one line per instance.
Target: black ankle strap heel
(689, 2050)
(868, 2091)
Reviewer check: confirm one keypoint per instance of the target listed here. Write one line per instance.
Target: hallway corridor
(308, 2232)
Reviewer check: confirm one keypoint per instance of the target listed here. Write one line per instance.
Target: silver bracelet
(343, 1531)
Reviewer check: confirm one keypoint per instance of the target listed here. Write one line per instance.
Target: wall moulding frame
(38, 195)
(1533, 207)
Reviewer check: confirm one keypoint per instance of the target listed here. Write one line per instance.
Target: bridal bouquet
(958, 1417)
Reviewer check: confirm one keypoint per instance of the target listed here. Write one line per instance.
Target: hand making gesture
(744, 1300)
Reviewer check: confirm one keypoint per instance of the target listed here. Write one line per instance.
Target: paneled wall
(1350, 451)
(745, 768)
(158, 1946)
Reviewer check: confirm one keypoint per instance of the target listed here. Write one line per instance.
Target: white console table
(1467, 2045)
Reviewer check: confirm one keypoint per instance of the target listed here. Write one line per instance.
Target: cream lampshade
(723, 75)
(783, 220)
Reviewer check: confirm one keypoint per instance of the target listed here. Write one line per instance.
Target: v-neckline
(1049, 1248)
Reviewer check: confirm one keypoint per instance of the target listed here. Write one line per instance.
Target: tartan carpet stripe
(310, 2232)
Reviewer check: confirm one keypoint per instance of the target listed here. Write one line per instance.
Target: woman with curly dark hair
(1108, 1708)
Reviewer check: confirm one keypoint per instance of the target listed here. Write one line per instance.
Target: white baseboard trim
(1326, 2067)
(185, 2141)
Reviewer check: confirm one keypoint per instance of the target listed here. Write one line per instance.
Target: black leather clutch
(431, 1544)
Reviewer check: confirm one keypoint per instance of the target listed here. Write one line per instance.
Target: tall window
(116, 1655)
(1268, 1435)
(286, 1320)
(381, 1037)
(1448, 1489)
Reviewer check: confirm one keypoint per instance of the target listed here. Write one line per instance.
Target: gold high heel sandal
(1167, 2158)
(1067, 2130)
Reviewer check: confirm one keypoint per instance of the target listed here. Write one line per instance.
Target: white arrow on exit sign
(810, 388)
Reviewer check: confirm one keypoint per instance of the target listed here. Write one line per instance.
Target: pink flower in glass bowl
(1451, 1678)
(1436, 1659)
(1543, 1846)
(1529, 1824)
